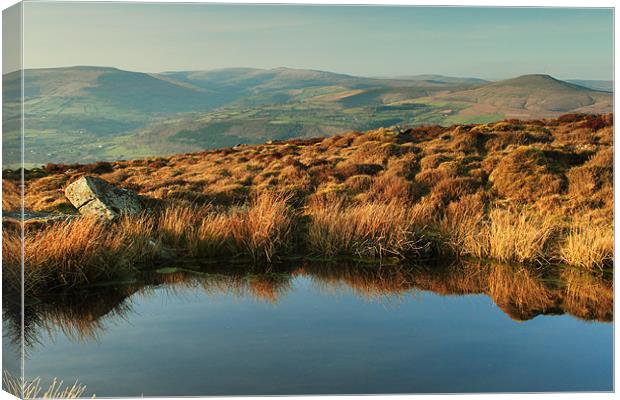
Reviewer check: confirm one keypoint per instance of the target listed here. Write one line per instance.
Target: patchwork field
(87, 114)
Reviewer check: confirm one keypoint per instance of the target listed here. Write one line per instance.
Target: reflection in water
(521, 292)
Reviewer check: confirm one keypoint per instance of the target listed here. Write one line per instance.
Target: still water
(316, 329)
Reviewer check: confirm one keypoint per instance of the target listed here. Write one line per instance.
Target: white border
(480, 3)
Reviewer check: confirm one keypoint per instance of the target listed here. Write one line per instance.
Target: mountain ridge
(95, 113)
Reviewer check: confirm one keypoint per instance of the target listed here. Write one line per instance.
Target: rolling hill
(256, 79)
(442, 79)
(70, 112)
(67, 89)
(532, 95)
(85, 113)
(544, 93)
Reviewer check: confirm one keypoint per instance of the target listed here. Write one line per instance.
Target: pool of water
(327, 330)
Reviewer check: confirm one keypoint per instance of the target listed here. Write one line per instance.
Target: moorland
(536, 192)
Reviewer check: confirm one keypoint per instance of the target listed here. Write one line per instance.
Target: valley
(86, 114)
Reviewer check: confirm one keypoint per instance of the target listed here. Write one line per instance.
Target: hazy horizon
(367, 41)
(314, 69)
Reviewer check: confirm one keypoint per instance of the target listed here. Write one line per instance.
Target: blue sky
(490, 43)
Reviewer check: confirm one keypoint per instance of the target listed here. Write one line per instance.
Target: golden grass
(72, 252)
(34, 390)
(12, 260)
(11, 195)
(267, 227)
(388, 188)
(359, 183)
(463, 227)
(263, 230)
(523, 161)
(364, 230)
(85, 250)
(77, 252)
(504, 234)
(525, 174)
(211, 237)
(521, 236)
(177, 224)
(588, 244)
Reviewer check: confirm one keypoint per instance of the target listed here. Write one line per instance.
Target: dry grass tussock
(520, 236)
(504, 234)
(526, 174)
(67, 253)
(526, 235)
(588, 244)
(11, 195)
(522, 161)
(365, 230)
(260, 229)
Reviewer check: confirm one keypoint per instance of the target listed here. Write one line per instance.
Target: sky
(490, 43)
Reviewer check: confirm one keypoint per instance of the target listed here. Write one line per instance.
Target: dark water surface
(328, 329)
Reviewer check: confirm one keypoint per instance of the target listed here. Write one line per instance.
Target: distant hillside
(253, 78)
(84, 113)
(445, 79)
(533, 95)
(602, 85)
(78, 88)
(71, 112)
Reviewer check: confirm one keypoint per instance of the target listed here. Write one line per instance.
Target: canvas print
(230, 200)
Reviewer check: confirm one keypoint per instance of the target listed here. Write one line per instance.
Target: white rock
(93, 196)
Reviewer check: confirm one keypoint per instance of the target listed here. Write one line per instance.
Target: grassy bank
(268, 228)
(535, 192)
